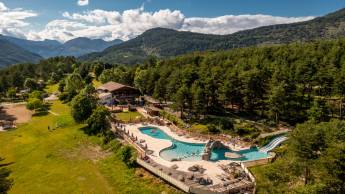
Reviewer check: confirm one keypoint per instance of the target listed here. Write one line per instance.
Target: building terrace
(120, 93)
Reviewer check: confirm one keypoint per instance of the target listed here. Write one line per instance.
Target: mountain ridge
(51, 48)
(13, 54)
(163, 42)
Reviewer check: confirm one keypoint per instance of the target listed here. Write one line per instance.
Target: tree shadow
(6, 164)
(87, 131)
(5, 116)
(40, 113)
(5, 181)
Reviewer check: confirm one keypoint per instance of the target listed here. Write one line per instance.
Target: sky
(63, 20)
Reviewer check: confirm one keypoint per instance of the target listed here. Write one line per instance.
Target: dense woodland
(49, 69)
(289, 82)
(296, 83)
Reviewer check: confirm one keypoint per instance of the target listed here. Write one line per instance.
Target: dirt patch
(15, 112)
(89, 152)
(93, 153)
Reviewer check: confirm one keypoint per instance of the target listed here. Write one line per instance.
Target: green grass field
(64, 160)
(52, 88)
(127, 116)
(96, 83)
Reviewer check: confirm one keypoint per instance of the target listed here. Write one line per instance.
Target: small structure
(120, 93)
(7, 124)
(233, 155)
(151, 101)
(105, 98)
(52, 97)
(152, 111)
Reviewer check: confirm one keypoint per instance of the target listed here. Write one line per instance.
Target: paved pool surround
(157, 145)
(182, 150)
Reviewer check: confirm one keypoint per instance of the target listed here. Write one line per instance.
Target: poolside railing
(164, 176)
(173, 180)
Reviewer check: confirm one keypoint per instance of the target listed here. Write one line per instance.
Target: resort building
(115, 93)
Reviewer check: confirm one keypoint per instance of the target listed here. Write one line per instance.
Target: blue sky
(48, 11)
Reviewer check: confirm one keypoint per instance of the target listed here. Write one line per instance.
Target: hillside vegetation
(162, 42)
(13, 54)
(281, 83)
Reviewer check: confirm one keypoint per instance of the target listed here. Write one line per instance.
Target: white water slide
(273, 144)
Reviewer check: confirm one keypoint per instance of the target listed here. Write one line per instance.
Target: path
(281, 131)
(9, 103)
(53, 113)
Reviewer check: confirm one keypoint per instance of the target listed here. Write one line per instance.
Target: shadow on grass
(40, 113)
(5, 182)
(43, 111)
(5, 116)
(6, 164)
(88, 131)
(47, 106)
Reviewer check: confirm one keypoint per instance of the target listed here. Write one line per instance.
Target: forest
(289, 83)
(302, 84)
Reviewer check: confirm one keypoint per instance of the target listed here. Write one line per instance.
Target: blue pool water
(192, 151)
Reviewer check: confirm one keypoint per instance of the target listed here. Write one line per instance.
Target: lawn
(127, 116)
(96, 83)
(63, 160)
(52, 88)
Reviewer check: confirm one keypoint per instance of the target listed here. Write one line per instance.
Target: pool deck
(213, 169)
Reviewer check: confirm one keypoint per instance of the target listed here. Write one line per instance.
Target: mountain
(166, 42)
(43, 48)
(12, 54)
(51, 48)
(80, 46)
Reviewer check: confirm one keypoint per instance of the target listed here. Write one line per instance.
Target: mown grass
(52, 88)
(52, 161)
(127, 116)
(96, 83)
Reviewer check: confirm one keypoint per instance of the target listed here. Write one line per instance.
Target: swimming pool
(192, 151)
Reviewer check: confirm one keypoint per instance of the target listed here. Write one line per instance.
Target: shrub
(128, 155)
(63, 96)
(213, 128)
(173, 119)
(97, 123)
(34, 104)
(82, 107)
(247, 130)
(36, 94)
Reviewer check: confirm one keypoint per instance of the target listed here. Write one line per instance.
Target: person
(48, 128)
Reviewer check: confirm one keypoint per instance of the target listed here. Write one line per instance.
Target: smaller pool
(249, 154)
(192, 151)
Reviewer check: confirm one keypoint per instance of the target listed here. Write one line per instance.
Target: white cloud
(12, 21)
(230, 23)
(2, 7)
(83, 2)
(110, 25)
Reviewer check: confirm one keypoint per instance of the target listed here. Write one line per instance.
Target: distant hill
(43, 48)
(166, 42)
(81, 46)
(12, 54)
(51, 48)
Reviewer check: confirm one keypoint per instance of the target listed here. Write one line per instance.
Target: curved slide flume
(273, 144)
